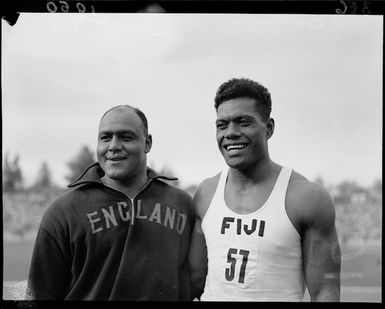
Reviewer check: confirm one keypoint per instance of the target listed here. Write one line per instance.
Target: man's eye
(127, 137)
(221, 125)
(245, 122)
(105, 138)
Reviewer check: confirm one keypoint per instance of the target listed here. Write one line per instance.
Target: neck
(129, 187)
(252, 175)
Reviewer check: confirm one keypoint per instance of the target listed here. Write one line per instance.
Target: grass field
(360, 277)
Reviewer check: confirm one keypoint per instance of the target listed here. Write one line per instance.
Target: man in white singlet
(263, 232)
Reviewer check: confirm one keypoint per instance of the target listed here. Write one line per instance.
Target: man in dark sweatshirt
(121, 232)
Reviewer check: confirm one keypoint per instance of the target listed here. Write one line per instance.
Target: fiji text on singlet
(255, 256)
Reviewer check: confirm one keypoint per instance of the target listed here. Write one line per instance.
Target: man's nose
(232, 130)
(115, 144)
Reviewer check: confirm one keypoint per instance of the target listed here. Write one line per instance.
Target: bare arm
(198, 249)
(320, 246)
(197, 260)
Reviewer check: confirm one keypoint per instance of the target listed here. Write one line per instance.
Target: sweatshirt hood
(93, 174)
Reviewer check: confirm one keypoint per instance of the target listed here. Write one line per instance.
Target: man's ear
(270, 126)
(148, 145)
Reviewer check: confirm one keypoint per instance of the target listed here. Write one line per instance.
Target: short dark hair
(141, 115)
(244, 87)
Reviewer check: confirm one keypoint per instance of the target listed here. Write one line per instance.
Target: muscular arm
(197, 260)
(320, 246)
(198, 249)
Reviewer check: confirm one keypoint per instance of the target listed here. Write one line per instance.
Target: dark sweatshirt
(94, 243)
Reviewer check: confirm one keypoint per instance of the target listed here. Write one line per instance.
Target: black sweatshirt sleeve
(49, 275)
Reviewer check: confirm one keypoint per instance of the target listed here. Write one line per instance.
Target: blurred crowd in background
(358, 208)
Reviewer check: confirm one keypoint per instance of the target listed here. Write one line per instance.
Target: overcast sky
(61, 72)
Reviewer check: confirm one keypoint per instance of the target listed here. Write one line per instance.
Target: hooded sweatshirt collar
(93, 174)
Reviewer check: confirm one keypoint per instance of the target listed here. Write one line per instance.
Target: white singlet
(256, 256)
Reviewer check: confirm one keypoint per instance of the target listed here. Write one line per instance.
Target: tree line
(345, 192)
(13, 179)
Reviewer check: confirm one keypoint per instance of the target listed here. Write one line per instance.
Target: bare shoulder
(204, 194)
(309, 203)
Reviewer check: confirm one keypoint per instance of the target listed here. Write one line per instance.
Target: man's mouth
(115, 158)
(235, 147)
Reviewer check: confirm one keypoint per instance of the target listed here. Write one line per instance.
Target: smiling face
(122, 145)
(241, 133)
